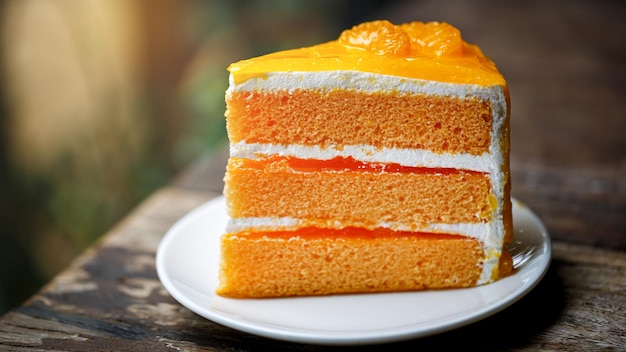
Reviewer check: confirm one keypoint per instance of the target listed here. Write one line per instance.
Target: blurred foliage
(137, 93)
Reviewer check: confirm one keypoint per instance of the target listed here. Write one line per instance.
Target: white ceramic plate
(187, 264)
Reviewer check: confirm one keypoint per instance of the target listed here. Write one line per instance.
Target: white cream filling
(368, 153)
(474, 230)
(491, 234)
(361, 81)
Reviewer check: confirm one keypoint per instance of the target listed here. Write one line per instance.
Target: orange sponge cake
(377, 162)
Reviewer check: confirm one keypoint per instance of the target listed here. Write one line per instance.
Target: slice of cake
(377, 162)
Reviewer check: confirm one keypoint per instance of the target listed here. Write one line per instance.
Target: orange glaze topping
(312, 232)
(431, 51)
(343, 164)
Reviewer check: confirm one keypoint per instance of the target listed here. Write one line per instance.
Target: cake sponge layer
(274, 266)
(364, 199)
(339, 117)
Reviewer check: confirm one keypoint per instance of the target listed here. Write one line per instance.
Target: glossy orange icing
(312, 232)
(431, 51)
(344, 164)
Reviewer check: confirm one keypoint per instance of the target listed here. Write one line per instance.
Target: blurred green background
(103, 101)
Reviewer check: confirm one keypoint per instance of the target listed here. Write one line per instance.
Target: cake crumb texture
(357, 197)
(276, 267)
(344, 117)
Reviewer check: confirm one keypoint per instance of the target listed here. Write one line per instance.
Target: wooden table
(566, 66)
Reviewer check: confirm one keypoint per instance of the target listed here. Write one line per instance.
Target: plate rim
(344, 338)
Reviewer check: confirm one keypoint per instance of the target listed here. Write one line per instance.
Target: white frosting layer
(491, 234)
(474, 230)
(361, 81)
(370, 154)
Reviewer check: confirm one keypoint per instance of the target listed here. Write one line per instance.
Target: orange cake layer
(366, 198)
(278, 266)
(341, 117)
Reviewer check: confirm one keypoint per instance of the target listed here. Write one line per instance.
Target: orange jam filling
(432, 51)
(312, 233)
(344, 164)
